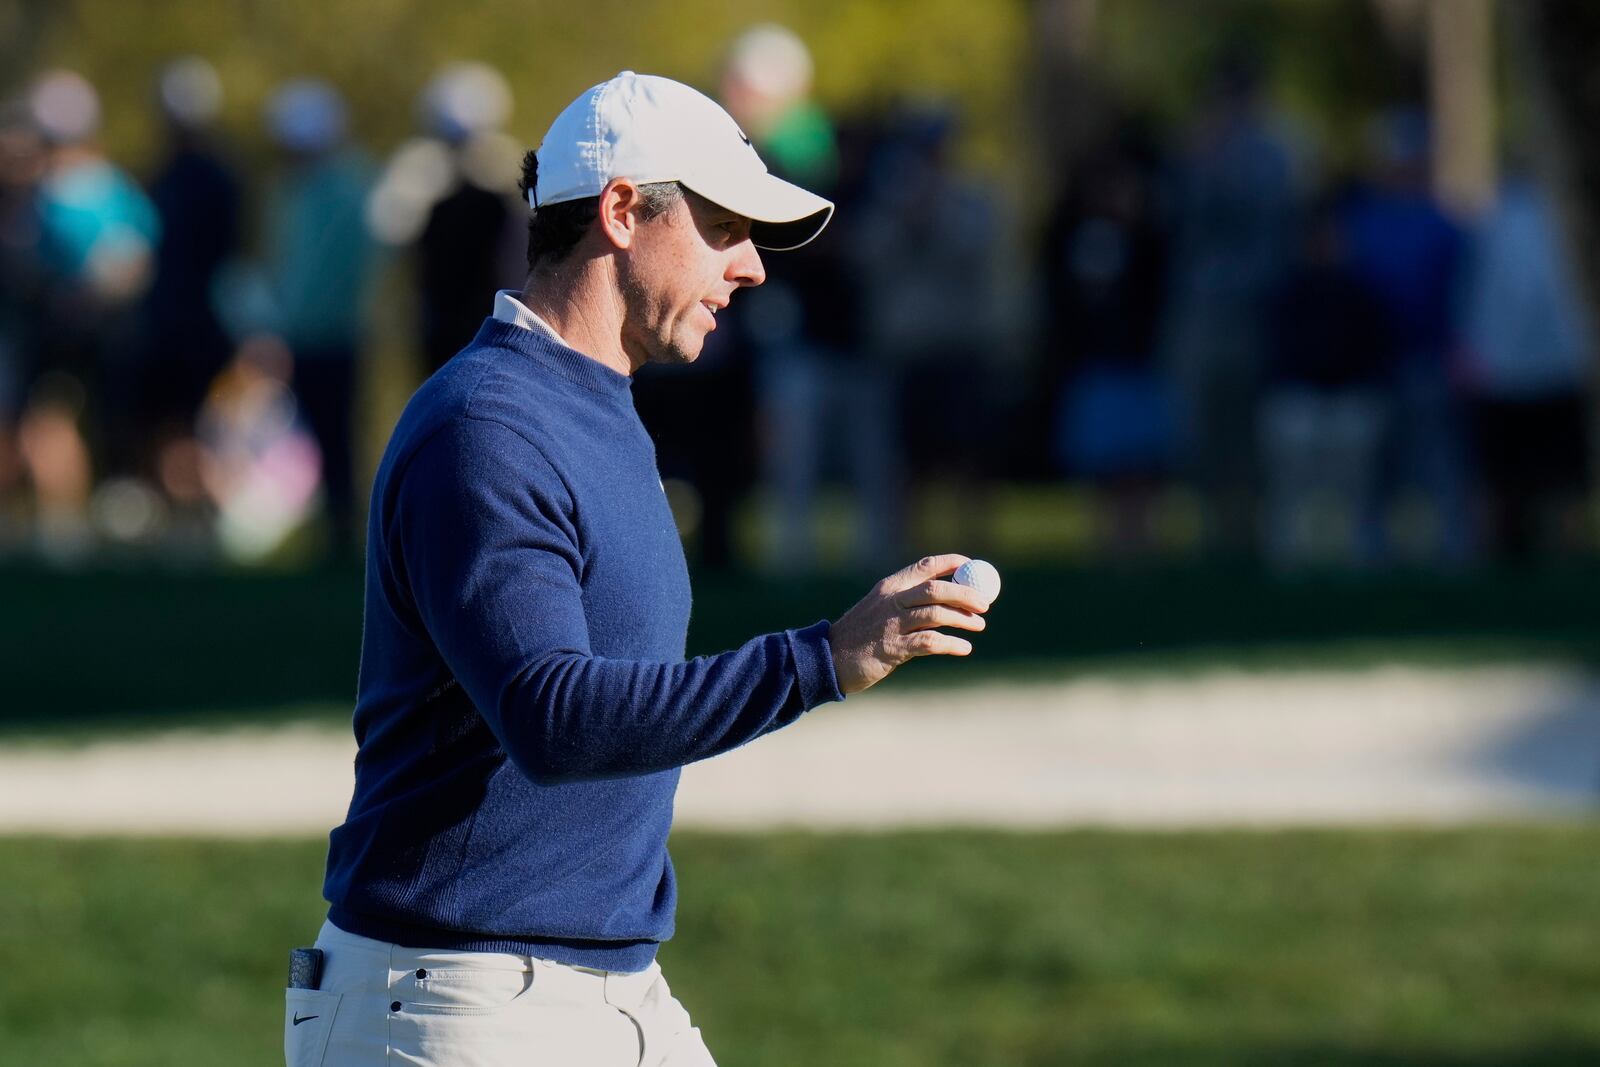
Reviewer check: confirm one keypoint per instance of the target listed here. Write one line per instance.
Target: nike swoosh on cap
(298, 1019)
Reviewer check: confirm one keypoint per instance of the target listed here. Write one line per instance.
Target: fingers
(937, 592)
(921, 571)
(927, 618)
(934, 643)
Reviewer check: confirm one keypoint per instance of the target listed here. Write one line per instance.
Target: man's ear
(620, 204)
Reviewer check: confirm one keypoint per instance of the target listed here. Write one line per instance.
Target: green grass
(1463, 947)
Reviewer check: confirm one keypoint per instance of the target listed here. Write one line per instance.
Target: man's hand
(898, 620)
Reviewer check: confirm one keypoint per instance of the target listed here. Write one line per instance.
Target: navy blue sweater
(524, 702)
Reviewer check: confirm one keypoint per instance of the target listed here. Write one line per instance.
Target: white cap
(773, 61)
(654, 129)
(191, 92)
(65, 107)
(465, 99)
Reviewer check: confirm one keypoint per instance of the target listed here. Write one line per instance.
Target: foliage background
(1327, 62)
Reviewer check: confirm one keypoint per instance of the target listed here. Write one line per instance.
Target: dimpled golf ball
(979, 574)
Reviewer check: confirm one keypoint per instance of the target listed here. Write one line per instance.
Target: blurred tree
(1558, 40)
(1461, 82)
(21, 25)
(381, 52)
(1328, 61)
(1069, 104)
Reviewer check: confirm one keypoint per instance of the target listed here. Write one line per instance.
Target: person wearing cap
(320, 264)
(199, 197)
(501, 883)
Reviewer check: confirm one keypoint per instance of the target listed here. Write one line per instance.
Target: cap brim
(787, 236)
(783, 215)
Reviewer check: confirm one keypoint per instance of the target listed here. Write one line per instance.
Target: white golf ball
(979, 574)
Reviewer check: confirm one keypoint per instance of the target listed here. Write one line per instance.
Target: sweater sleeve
(481, 533)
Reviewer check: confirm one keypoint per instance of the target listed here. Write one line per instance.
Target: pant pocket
(667, 1036)
(465, 991)
(308, 1016)
(686, 1049)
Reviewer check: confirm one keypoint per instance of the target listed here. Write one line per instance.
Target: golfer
(501, 883)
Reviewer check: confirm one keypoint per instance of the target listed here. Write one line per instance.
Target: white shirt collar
(508, 308)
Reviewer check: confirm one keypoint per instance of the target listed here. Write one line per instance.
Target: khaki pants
(383, 1004)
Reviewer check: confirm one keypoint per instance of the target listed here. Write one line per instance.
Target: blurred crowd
(1331, 366)
(180, 356)
(1345, 372)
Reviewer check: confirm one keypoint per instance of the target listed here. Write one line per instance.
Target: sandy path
(1405, 745)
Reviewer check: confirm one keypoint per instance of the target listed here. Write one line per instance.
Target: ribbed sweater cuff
(813, 661)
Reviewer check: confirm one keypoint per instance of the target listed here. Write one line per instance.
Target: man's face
(682, 272)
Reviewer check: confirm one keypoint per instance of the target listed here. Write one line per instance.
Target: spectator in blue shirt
(319, 264)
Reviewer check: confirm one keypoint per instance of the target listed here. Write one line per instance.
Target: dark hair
(554, 231)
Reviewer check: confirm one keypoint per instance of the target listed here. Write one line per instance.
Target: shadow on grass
(113, 644)
(1555, 752)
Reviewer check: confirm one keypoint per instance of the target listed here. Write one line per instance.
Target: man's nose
(747, 268)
